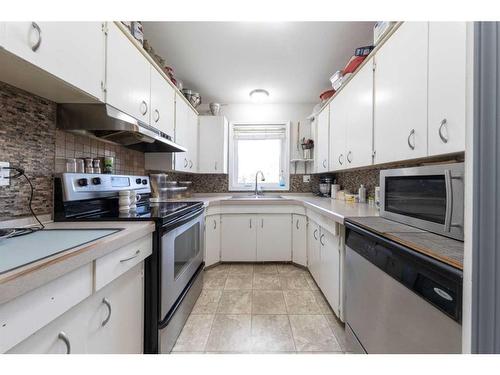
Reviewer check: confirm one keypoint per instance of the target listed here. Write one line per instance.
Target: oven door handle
(449, 200)
(183, 219)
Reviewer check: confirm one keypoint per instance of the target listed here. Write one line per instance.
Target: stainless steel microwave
(430, 198)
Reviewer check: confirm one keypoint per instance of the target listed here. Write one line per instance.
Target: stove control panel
(77, 186)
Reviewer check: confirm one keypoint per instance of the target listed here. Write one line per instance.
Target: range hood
(110, 124)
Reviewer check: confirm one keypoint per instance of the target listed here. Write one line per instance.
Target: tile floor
(261, 308)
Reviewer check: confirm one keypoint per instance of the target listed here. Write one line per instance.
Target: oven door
(181, 254)
(430, 198)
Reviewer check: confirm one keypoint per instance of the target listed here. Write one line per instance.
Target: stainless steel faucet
(262, 179)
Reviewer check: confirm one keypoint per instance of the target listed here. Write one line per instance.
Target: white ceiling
(224, 61)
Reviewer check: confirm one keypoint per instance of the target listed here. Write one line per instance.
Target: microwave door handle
(449, 200)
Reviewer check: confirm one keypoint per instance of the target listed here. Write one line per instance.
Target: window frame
(285, 158)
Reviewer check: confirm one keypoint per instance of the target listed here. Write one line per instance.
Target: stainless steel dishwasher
(398, 300)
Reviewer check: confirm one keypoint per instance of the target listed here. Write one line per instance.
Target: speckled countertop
(20, 280)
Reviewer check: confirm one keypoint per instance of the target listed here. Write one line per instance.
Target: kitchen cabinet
(212, 240)
(299, 239)
(447, 87)
(329, 270)
(313, 249)
(128, 76)
(338, 128)
(72, 52)
(274, 238)
(213, 145)
(238, 238)
(321, 144)
(186, 134)
(400, 124)
(162, 104)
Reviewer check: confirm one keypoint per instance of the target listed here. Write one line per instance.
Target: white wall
(294, 113)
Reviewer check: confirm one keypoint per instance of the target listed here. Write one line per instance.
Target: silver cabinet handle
(314, 234)
(250, 223)
(35, 27)
(215, 166)
(185, 163)
(441, 135)
(262, 223)
(324, 163)
(157, 115)
(108, 305)
(449, 200)
(341, 158)
(321, 240)
(130, 258)
(64, 338)
(190, 164)
(411, 145)
(215, 224)
(144, 107)
(297, 224)
(348, 158)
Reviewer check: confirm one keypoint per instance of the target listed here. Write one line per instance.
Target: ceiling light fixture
(259, 95)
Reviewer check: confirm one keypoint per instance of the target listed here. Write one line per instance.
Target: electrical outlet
(306, 178)
(4, 173)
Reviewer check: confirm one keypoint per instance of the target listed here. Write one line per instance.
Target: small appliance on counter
(325, 184)
(163, 190)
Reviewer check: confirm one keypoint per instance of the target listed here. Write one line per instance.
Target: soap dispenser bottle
(362, 194)
(282, 179)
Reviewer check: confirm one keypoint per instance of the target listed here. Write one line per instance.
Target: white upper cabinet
(338, 127)
(162, 104)
(192, 121)
(71, 51)
(186, 134)
(274, 238)
(322, 141)
(213, 146)
(359, 112)
(447, 87)
(400, 126)
(127, 76)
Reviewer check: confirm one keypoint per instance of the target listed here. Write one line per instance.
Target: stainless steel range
(173, 273)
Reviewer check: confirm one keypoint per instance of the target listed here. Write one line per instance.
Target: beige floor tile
(311, 282)
(218, 269)
(268, 302)
(235, 302)
(294, 282)
(207, 302)
(301, 302)
(322, 302)
(230, 333)
(214, 281)
(241, 269)
(237, 282)
(194, 335)
(268, 269)
(311, 333)
(338, 329)
(290, 269)
(271, 333)
(264, 281)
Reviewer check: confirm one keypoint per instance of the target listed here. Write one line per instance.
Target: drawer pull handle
(444, 138)
(132, 257)
(190, 164)
(314, 234)
(108, 305)
(144, 107)
(341, 159)
(321, 240)
(412, 134)
(35, 27)
(185, 163)
(297, 224)
(157, 115)
(64, 338)
(348, 158)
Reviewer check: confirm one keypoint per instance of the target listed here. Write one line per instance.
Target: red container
(325, 95)
(353, 64)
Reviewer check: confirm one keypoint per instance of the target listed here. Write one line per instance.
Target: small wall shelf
(305, 161)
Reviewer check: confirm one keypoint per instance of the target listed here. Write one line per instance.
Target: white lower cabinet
(274, 238)
(238, 238)
(329, 270)
(299, 240)
(212, 240)
(313, 250)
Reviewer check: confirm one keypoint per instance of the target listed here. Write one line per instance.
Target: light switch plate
(306, 178)
(4, 173)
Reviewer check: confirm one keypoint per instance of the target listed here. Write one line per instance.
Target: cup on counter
(128, 200)
(335, 188)
(134, 198)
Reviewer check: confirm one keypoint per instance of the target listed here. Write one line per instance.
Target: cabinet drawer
(28, 313)
(111, 266)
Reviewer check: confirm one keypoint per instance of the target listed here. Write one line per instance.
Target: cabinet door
(400, 128)
(181, 134)
(238, 238)
(192, 121)
(127, 76)
(212, 240)
(322, 140)
(115, 315)
(447, 87)
(299, 240)
(313, 250)
(338, 125)
(71, 51)
(162, 104)
(213, 136)
(359, 129)
(330, 268)
(274, 238)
